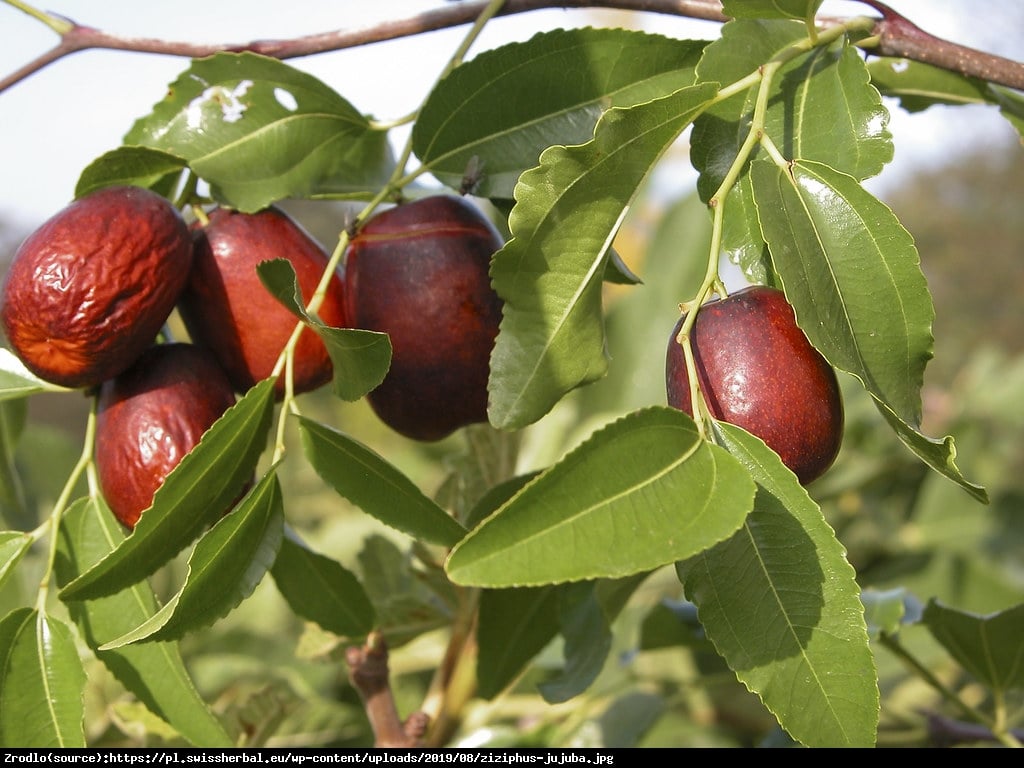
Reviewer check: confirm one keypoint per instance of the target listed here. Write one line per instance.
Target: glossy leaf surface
(550, 274)
(781, 604)
(319, 589)
(41, 682)
(207, 480)
(638, 494)
(154, 672)
(360, 359)
(367, 480)
(259, 130)
(227, 564)
(500, 110)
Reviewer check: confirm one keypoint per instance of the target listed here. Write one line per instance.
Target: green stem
(894, 646)
(399, 179)
(57, 24)
(81, 466)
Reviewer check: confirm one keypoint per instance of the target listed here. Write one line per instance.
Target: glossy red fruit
(149, 417)
(757, 370)
(226, 307)
(90, 289)
(419, 272)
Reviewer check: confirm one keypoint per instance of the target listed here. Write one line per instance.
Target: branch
(893, 35)
(368, 670)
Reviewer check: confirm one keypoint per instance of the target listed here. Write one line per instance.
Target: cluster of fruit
(87, 294)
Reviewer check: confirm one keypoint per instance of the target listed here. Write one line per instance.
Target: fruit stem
(399, 179)
(83, 463)
(59, 25)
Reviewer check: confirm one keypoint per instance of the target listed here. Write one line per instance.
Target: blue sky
(56, 122)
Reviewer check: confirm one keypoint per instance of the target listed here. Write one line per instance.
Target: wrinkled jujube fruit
(226, 307)
(757, 370)
(149, 417)
(89, 290)
(419, 272)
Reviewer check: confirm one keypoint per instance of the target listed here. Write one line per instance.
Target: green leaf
(259, 130)
(134, 166)
(360, 359)
(320, 590)
(514, 625)
(225, 567)
(500, 110)
(821, 107)
(405, 600)
(853, 276)
(550, 274)
(781, 604)
(940, 455)
(17, 381)
(989, 647)
(919, 86)
(14, 504)
(206, 482)
(155, 672)
(771, 9)
(13, 546)
(378, 488)
(641, 493)
(41, 682)
(588, 639)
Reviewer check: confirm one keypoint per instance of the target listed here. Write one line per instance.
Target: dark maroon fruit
(757, 370)
(90, 289)
(149, 417)
(419, 272)
(226, 307)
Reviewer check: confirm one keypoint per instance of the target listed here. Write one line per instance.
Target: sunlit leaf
(641, 493)
(771, 9)
(155, 672)
(919, 86)
(989, 647)
(501, 109)
(227, 564)
(134, 166)
(360, 358)
(320, 590)
(550, 274)
(41, 682)
(940, 455)
(781, 604)
(853, 276)
(17, 381)
(204, 485)
(13, 546)
(259, 130)
(367, 480)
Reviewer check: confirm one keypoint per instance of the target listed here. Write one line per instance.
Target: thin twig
(893, 36)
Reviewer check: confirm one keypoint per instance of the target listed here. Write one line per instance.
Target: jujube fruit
(226, 307)
(757, 370)
(420, 273)
(149, 417)
(90, 289)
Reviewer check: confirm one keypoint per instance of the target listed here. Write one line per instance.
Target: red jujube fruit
(226, 307)
(149, 417)
(757, 370)
(420, 273)
(90, 289)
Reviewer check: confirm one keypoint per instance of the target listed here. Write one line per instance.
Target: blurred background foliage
(280, 682)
